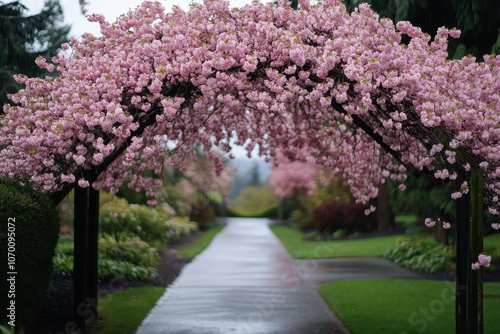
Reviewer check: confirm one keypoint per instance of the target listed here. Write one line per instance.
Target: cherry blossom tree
(287, 176)
(341, 87)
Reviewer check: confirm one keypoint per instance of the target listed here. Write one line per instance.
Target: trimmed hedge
(32, 224)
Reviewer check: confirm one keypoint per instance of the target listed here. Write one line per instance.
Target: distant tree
(23, 38)
(83, 6)
(254, 177)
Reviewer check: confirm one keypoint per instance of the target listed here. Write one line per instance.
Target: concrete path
(246, 283)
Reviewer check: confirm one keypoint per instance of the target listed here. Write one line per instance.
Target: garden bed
(57, 312)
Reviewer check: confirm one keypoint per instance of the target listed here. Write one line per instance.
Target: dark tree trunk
(385, 216)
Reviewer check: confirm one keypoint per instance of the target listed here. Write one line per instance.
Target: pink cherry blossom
(320, 85)
(484, 260)
(429, 222)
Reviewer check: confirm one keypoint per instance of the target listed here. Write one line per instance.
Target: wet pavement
(245, 282)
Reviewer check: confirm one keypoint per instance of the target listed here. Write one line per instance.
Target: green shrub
(118, 271)
(255, 202)
(130, 259)
(119, 218)
(66, 208)
(132, 250)
(301, 218)
(176, 199)
(36, 234)
(340, 233)
(421, 255)
(271, 211)
(180, 226)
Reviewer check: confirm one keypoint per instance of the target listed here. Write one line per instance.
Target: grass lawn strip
(201, 243)
(123, 311)
(492, 244)
(403, 306)
(303, 249)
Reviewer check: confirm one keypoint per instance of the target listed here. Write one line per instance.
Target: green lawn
(303, 249)
(399, 306)
(492, 244)
(201, 243)
(123, 311)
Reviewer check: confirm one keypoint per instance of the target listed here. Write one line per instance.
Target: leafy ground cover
(403, 306)
(427, 255)
(123, 311)
(294, 242)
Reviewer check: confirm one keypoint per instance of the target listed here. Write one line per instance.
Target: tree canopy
(321, 83)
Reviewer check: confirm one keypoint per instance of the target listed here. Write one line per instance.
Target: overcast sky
(111, 9)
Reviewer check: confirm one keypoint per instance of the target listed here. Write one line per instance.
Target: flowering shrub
(421, 255)
(153, 225)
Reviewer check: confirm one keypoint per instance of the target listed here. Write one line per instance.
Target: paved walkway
(246, 283)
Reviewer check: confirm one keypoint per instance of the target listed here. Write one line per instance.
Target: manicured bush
(29, 229)
(333, 215)
(421, 255)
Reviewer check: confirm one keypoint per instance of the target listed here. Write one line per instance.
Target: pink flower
(484, 260)
(446, 225)
(82, 183)
(475, 266)
(495, 226)
(429, 222)
(152, 203)
(304, 4)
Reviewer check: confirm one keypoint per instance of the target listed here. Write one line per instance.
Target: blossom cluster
(340, 88)
(483, 260)
(431, 223)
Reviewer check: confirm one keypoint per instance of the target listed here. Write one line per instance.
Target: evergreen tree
(254, 176)
(23, 38)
